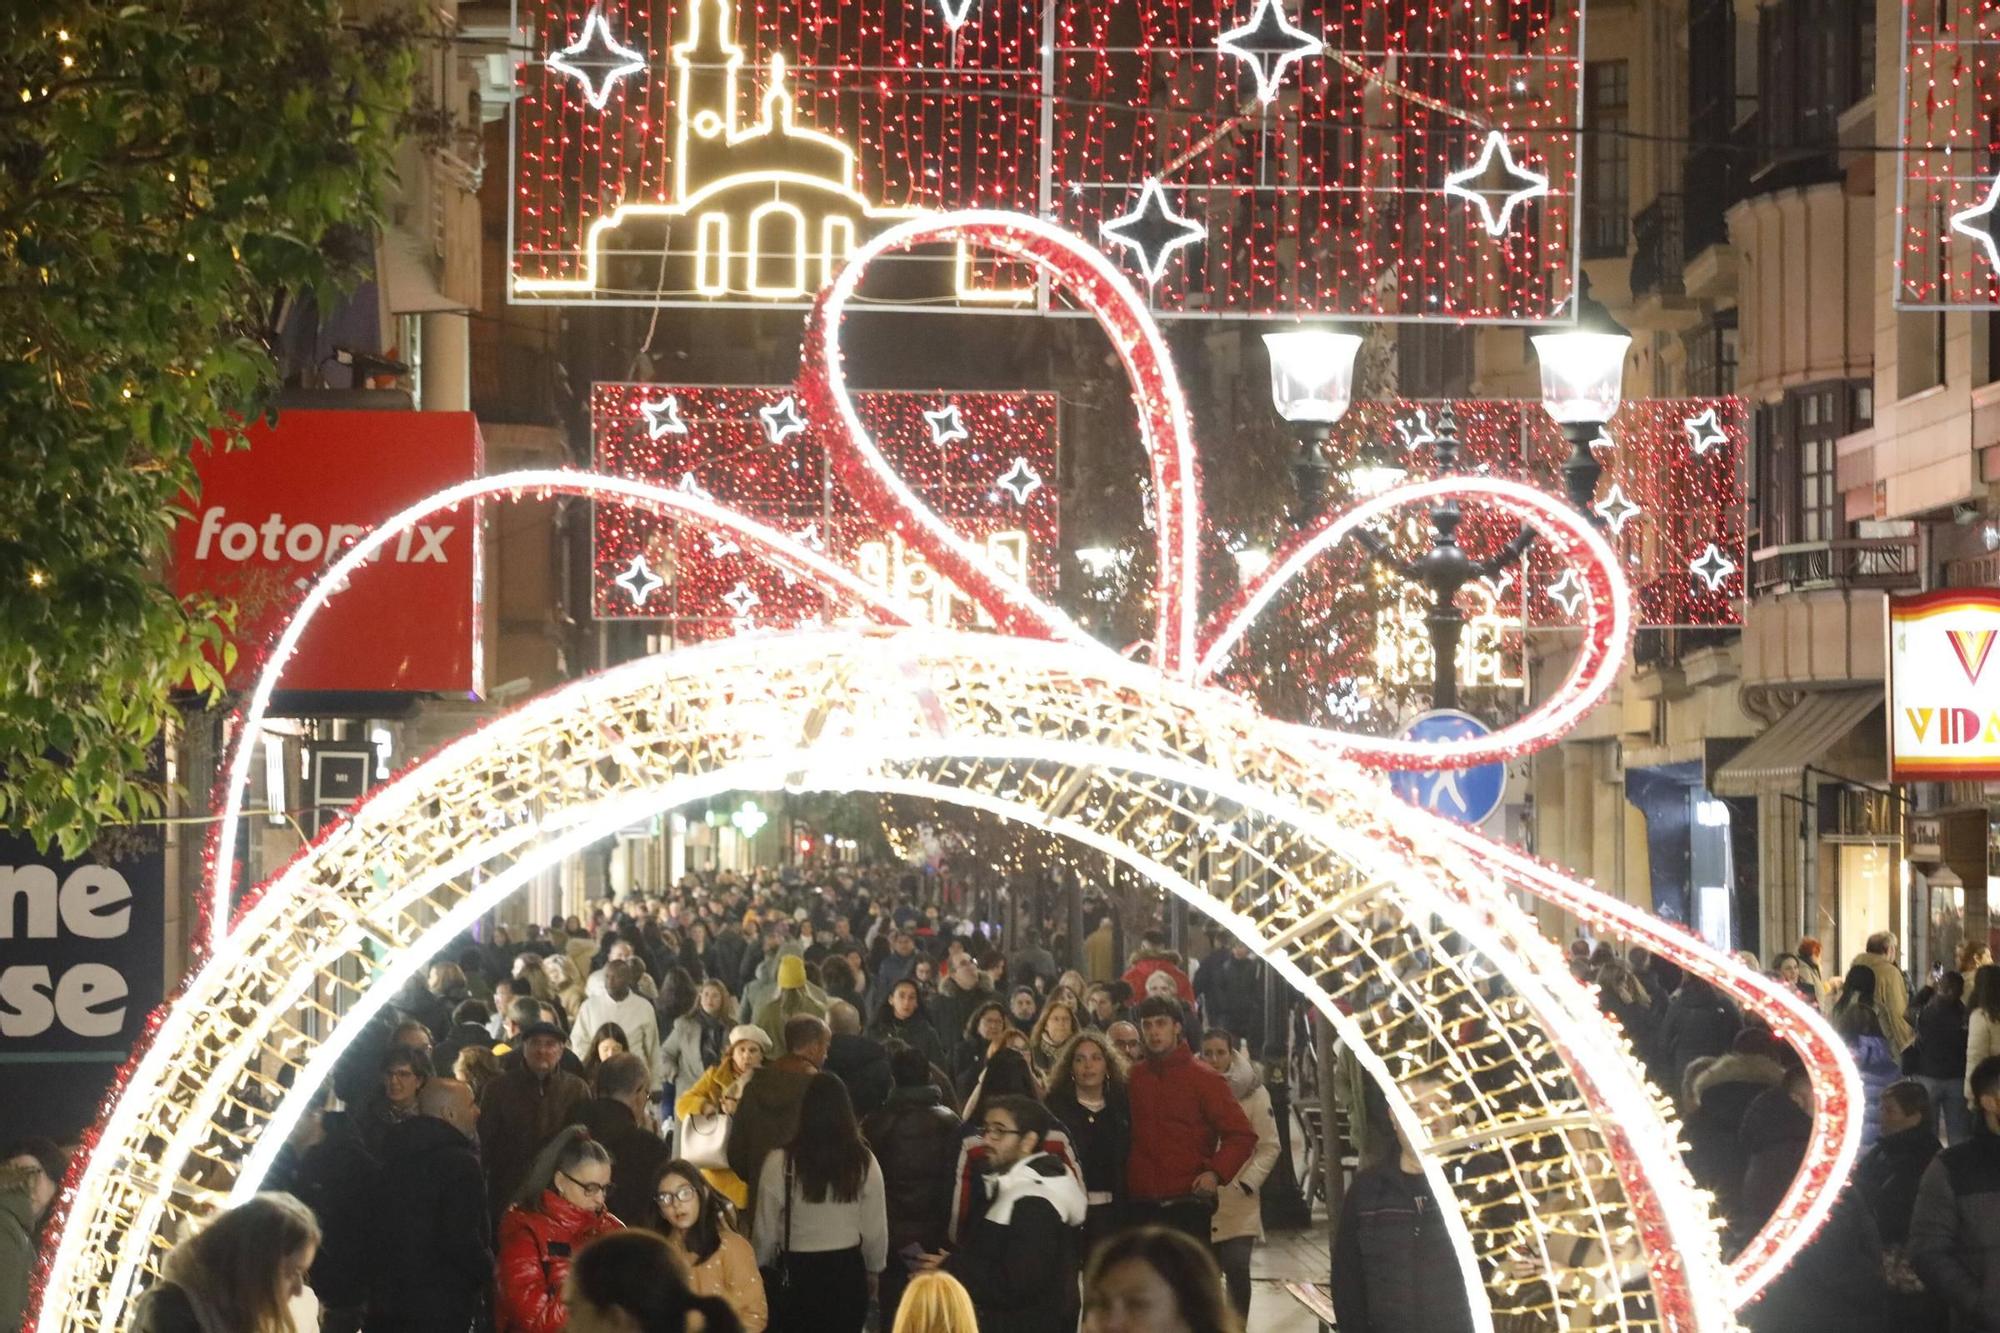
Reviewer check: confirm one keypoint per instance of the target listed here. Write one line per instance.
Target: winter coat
(1100, 956)
(1018, 1262)
(1697, 1024)
(165, 1308)
(1982, 1040)
(1102, 1139)
(445, 1057)
(535, 1252)
(916, 1032)
(634, 1013)
(862, 1063)
(731, 1274)
(695, 1043)
(1723, 1093)
(1395, 1267)
(1147, 964)
(518, 1114)
(786, 1005)
(1955, 1232)
(915, 1138)
(704, 1098)
(1878, 1070)
(431, 1254)
(1238, 994)
(17, 1242)
(1888, 1176)
(336, 1179)
(1239, 1208)
(1834, 1285)
(767, 1115)
(968, 1175)
(1773, 1143)
(950, 1010)
(760, 987)
(1942, 1034)
(637, 1154)
(1892, 1000)
(1184, 1122)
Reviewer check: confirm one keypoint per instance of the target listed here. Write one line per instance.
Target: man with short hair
(1019, 1260)
(861, 1062)
(624, 1006)
(1188, 1132)
(523, 1108)
(1124, 1038)
(900, 965)
(620, 1117)
(1887, 1179)
(1102, 1010)
(431, 1249)
(1955, 1229)
(963, 990)
(767, 1114)
(1892, 992)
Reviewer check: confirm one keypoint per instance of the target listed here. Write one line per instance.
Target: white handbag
(704, 1140)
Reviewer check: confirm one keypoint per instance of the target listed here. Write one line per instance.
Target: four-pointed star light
(781, 420)
(1269, 44)
(639, 581)
(946, 424)
(1712, 567)
(1153, 231)
(1021, 481)
(663, 418)
(1982, 223)
(1520, 185)
(597, 60)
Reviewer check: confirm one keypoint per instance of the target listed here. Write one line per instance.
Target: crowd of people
(780, 1102)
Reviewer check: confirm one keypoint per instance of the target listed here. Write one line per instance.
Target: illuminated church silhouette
(765, 212)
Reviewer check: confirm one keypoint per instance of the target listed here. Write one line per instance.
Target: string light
(1947, 253)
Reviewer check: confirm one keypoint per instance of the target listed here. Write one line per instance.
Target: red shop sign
(273, 516)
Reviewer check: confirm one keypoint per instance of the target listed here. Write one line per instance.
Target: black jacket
(1835, 1284)
(1698, 1023)
(336, 1179)
(1955, 1232)
(915, 1140)
(444, 1057)
(1102, 1139)
(1941, 1038)
(914, 1032)
(1238, 995)
(431, 1246)
(1773, 1142)
(1888, 1176)
(1019, 1260)
(637, 1154)
(1395, 1269)
(863, 1065)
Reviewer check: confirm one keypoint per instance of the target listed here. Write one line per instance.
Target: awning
(1803, 736)
(407, 274)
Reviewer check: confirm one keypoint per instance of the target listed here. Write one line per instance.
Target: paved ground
(1290, 1255)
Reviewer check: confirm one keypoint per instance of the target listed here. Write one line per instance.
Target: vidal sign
(1944, 686)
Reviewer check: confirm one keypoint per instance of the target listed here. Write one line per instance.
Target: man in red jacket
(1188, 1132)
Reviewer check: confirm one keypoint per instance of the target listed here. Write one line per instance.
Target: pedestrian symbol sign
(1468, 795)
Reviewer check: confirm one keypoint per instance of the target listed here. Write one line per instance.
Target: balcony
(1659, 256)
(1887, 563)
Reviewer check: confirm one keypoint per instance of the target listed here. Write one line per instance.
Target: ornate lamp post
(1312, 386)
(1583, 376)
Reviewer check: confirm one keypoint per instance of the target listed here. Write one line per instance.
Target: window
(1814, 68)
(1795, 497)
(1607, 158)
(1711, 357)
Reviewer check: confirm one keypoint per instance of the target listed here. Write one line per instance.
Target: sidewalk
(1286, 1256)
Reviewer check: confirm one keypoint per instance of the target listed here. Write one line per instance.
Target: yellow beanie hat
(791, 972)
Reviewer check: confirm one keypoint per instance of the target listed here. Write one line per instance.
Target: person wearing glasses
(1019, 1260)
(717, 1261)
(559, 1208)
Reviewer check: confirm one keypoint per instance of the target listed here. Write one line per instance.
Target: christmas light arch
(1569, 1197)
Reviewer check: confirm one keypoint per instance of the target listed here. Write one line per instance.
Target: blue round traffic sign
(1468, 795)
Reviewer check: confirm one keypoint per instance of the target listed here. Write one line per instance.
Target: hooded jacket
(1019, 1260)
(1239, 1211)
(1723, 1092)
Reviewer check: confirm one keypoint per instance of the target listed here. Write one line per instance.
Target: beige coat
(1239, 1211)
(1892, 1000)
(731, 1273)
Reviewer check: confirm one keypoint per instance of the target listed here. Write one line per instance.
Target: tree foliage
(170, 173)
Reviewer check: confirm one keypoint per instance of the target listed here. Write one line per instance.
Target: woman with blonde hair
(935, 1302)
(1052, 1031)
(241, 1273)
(475, 1067)
(565, 983)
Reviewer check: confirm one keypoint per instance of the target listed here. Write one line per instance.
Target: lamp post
(1312, 386)
(1583, 375)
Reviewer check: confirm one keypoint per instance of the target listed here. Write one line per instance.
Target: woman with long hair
(936, 1302)
(699, 1038)
(901, 1017)
(1087, 1095)
(475, 1067)
(239, 1274)
(559, 1208)
(1859, 1019)
(716, 1093)
(565, 981)
(1982, 1032)
(1052, 1031)
(719, 1262)
(1155, 1280)
(821, 1224)
(630, 1282)
(607, 1041)
(986, 1030)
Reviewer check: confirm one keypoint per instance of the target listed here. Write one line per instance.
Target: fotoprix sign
(272, 517)
(81, 966)
(1944, 686)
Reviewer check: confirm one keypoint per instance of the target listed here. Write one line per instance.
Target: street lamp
(1583, 373)
(1312, 386)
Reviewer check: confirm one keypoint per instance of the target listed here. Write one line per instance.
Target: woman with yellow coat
(716, 1091)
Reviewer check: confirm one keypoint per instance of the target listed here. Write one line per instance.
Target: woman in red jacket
(563, 1208)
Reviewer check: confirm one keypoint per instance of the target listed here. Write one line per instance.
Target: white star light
(954, 12)
(741, 599)
(1704, 432)
(809, 537)
(1616, 509)
(1978, 222)
(721, 544)
(1524, 185)
(946, 424)
(781, 420)
(1154, 231)
(597, 55)
(1416, 429)
(663, 418)
(1021, 481)
(1269, 44)
(639, 581)
(689, 486)
(1568, 592)
(1713, 567)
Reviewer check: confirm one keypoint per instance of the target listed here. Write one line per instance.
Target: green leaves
(175, 167)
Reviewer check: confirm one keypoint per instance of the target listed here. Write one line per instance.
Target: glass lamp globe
(1583, 373)
(1312, 374)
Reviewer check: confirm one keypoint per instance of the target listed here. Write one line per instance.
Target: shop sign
(272, 517)
(1944, 686)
